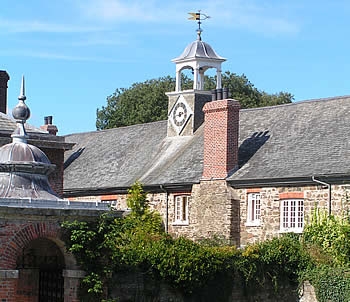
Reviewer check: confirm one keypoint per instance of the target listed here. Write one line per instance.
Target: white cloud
(253, 15)
(58, 56)
(97, 16)
(138, 11)
(120, 40)
(10, 26)
(117, 11)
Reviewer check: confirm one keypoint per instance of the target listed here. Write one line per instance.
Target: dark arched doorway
(40, 268)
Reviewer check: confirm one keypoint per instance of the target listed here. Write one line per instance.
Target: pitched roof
(37, 136)
(293, 141)
(116, 158)
(8, 124)
(296, 140)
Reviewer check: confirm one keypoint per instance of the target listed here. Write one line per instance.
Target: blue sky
(75, 53)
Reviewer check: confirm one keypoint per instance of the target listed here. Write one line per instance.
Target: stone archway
(40, 267)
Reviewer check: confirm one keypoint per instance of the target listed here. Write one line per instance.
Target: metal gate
(51, 286)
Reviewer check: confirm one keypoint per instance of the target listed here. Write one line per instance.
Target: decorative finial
(198, 17)
(21, 113)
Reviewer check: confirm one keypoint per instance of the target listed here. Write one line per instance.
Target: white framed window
(292, 215)
(181, 209)
(253, 209)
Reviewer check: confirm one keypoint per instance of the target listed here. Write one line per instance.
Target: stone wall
(271, 208)
(213, 212)
(216, 209)
(307, 293)
(140, 286)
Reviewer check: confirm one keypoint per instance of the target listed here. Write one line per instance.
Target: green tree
(248, 95)
(141, 103)
(147, 102)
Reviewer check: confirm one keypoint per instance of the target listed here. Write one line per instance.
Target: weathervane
(198, 17)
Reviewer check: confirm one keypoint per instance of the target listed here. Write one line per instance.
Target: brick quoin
(221, 130)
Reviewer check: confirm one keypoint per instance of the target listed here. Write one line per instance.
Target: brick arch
(28, 232)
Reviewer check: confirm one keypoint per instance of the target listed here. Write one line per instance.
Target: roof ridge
(327, 99)
(113, 129)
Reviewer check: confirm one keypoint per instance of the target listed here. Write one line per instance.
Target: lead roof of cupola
(24, 167)
(199, 49)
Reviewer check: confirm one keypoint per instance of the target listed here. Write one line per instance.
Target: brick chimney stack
(221, 130)
(52, 129)
(4, 77)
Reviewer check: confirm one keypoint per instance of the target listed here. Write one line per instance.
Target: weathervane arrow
(198, 17)
(194, 16)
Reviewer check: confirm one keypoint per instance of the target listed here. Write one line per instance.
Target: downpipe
(329, 193)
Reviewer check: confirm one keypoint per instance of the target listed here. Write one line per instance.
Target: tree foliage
(327, 238)
(147, 102)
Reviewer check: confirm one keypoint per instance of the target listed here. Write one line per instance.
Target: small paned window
(181, 209)
(253, 209)
(292, 215)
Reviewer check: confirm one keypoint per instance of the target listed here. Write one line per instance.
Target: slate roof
(285, 143)
(37, 136)
(8, 124)
(294, 141)
(116, 158)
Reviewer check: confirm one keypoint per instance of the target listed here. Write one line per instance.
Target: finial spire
(21, 113)
(22, 96)
(198, 17)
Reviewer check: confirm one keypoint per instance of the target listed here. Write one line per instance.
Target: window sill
(297, 231)
(180, 223)
(253, 224)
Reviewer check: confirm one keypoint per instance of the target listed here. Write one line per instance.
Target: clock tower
(185, 114)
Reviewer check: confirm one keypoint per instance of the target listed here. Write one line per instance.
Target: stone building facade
(213, 169)
(216, 210)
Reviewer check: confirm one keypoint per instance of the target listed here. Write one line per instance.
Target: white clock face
(179, 114)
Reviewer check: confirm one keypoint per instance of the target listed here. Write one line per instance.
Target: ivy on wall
(327, 239)
(138, 241)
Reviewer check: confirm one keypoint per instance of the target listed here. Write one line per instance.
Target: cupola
(198, 56)
(185, 107)
(23, 167)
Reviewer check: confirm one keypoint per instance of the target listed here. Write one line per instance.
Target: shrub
(330, 283)
(331, 234)
(276, 259)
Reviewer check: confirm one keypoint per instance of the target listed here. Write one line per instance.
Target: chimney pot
(219, 94)
(213, 95)
(4, 78)
(52, 129)
(225, 93)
